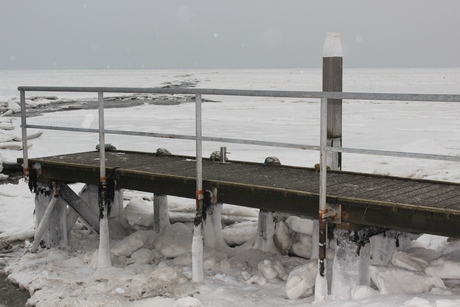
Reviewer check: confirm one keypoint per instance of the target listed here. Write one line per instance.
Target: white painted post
(332, 82)
(103, 260)
(197, 241)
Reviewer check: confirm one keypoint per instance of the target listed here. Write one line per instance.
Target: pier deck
(421, 206)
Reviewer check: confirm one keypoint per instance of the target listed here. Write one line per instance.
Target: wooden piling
(332, 82)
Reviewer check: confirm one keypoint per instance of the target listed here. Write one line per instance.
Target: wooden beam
(80, 207)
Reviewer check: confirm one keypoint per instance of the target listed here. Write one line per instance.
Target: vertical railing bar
(104, 259)
(101, 135)
(197, 241)
(199, 142)
(25, 151)
(321, 280)
(323, 162)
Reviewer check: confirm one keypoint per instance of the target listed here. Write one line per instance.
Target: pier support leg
(351, 265)
(332, 82)
(212, 226)
(266, 231)
(90, 195)
(72, 217)
(59, 215)
(51, 221)
(383, 245)
(160, 212)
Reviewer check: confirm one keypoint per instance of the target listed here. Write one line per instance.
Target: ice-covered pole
(321, 280)
(103, 260)
(197, 241)
(44, 223)
(330, 135)
(332, 82)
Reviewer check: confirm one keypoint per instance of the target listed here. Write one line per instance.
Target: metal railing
(324, 148)
(323, 96)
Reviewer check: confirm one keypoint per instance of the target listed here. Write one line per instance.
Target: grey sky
(133, 34)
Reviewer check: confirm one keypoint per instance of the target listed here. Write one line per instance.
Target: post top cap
(332, 45)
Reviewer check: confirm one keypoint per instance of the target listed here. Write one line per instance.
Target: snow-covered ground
(155, 270)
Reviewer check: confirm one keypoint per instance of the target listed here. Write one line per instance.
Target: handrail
(259, 93)
(256, 93)
(324, 148)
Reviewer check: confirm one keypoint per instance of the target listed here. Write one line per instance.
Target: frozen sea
(422, 127)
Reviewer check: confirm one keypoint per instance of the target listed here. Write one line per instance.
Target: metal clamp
(333, 213)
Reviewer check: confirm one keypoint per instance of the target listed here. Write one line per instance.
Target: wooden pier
(420, 206)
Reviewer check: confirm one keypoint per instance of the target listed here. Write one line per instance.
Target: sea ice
(414, 259)
(394, 280)
(139, 213)
(130, 244)
(300, 225)
(446, 267)
(301, 280)
(175, 240)
(239, 233)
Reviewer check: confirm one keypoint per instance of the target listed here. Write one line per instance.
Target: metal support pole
(223, 154)
(104, 237)
(197, 241)
(321, 281)
(199, 140)
(25, 152)
(101, 136)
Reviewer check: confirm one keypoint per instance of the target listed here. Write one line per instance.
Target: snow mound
(188, 302)
(362, 292)
(417, 302)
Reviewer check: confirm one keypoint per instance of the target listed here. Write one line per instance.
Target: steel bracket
(334, 213)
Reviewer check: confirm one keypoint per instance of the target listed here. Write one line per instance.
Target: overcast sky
(132, 34)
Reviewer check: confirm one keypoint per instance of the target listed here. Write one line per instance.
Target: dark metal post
(332, 82)
(25, 152)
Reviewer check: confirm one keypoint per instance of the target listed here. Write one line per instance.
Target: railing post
(104, 239)
(197, 241)
(25, 151)
(100, 97)
(332, 82)
(321, 280)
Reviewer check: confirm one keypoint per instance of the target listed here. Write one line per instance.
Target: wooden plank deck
(399, 203)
